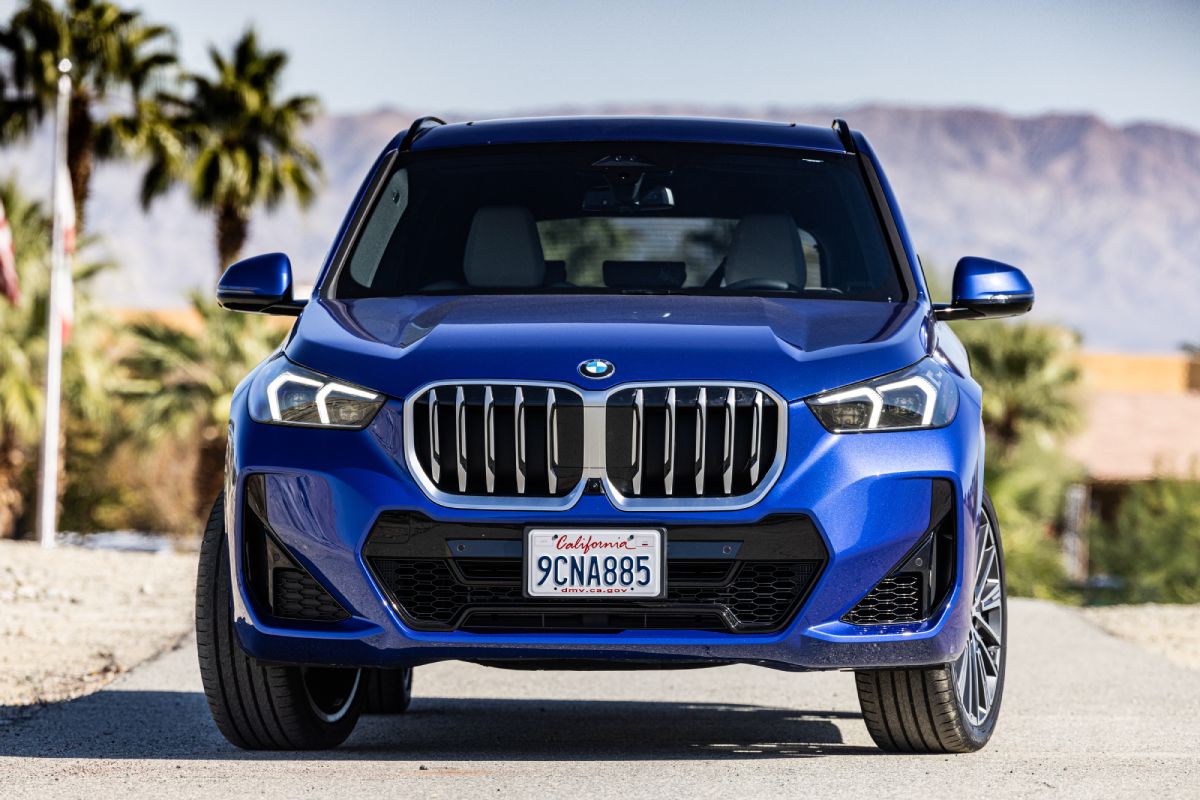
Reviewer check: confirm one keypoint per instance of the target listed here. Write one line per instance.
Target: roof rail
(843, 131)
(419, 126)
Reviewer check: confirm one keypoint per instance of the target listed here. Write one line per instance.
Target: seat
(504, 249)
(765, 247)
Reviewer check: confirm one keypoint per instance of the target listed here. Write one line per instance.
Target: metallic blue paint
(259, 283)
(393, 345)
(980, 284)
(869, 496)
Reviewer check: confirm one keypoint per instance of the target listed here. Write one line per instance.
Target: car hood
(796, 346)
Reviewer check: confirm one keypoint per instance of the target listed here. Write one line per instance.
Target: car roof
(541, 130)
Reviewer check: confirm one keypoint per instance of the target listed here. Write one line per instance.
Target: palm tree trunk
(12, 502)
(81, 150)
(233, 226)
(210, 474)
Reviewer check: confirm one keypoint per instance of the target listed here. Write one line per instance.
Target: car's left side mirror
(262, 284)
(985, 289)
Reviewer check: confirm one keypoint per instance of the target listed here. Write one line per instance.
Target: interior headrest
(644, 274)
(556, 273)
(503, 249)
(766, 246)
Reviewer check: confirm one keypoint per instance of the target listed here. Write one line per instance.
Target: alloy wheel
(330, 690)
(977, 670)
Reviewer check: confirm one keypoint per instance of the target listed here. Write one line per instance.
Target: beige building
(1141, 420)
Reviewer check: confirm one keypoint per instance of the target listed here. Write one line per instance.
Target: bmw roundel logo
(596, 368)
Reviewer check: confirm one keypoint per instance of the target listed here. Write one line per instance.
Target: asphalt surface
(1085, 715)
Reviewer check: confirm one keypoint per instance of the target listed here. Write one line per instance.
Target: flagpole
(47, 513)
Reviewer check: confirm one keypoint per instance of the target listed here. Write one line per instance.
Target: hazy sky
(1130, 60)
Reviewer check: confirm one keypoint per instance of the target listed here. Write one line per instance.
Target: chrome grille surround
(595, 407)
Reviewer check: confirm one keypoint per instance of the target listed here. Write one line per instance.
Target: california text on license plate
(590, 563)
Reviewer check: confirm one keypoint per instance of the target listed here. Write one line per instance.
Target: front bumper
(868, 496)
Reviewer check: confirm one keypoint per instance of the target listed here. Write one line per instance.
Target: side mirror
(986, 289)
(261, 284)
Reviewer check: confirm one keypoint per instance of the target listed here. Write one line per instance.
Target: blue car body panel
(868, 495)
(394, 345)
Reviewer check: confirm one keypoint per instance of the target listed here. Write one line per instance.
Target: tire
(935, 709)
(387, 691)
(259, 707)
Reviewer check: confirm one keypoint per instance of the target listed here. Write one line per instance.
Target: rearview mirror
(986, 289)
(262, 284)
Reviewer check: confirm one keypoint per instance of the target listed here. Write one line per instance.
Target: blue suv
(631, 393)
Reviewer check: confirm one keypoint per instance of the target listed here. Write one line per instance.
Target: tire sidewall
(281, 689)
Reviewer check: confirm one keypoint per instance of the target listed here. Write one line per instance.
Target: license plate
(594, 563)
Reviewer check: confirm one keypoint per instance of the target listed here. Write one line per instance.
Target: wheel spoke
(992, 668)
(991, 600)
(987, 634)
(984, 568)
(978, 669)
(981, 705)
(969, 700)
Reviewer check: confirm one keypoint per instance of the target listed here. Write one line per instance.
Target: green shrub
(1027, 487)
(1153, 543)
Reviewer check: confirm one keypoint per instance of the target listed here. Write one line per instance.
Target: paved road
(1085, 715)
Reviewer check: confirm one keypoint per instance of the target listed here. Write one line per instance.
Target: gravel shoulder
(1172, 631)
(74, 618)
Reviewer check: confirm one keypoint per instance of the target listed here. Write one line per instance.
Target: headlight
(286, 394)
(921, 396)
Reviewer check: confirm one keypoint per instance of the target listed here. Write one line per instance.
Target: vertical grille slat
(730, 431)
(551, 442)
(435, 445)
(701, 436)
(689, 441)
(489, 439)
(535, 444)
(669, 445)
(756, 438)
(519, 444)
(639, 437)
(460, 437)
(495, 441)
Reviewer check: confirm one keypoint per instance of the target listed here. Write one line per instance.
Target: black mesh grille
(895, 599)
(747, 596)
(297, 595)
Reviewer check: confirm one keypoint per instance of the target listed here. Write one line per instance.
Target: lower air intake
(446, 576)
(918, 585)
(750, 596)
(297, 595)
(895, 599)
(278, 586)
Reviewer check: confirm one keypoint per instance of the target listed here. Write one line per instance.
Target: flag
(64, 212)
(9, 286)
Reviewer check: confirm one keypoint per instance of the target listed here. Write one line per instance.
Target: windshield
(623, 218)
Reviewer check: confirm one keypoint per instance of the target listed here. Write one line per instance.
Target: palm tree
(23, 355)
(182, 382)
(1029, 378)
(233, 142)
(115, 55)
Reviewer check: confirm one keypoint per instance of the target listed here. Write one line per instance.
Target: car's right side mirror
(985, 289)
(261, 284)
